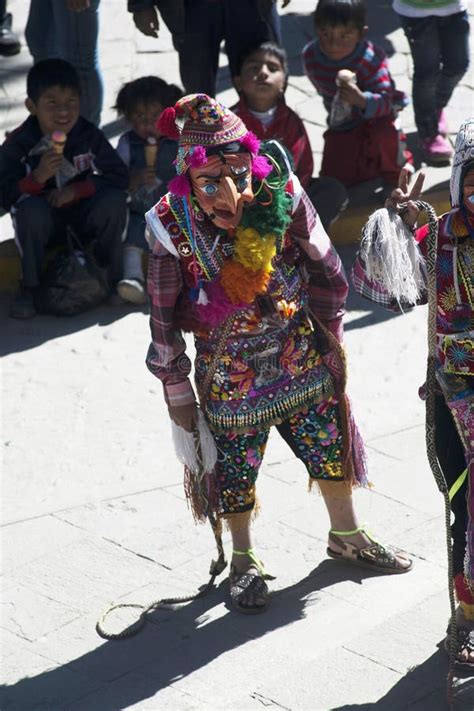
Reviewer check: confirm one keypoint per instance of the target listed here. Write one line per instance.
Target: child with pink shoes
(438, 34)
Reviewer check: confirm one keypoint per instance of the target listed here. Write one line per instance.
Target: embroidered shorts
(314, 436)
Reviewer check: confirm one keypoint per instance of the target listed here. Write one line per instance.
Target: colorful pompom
(179, 186)
(261, 167)
(253, 250)
(240, 284)
(198, 157)
(218, 307)
(166, 123)
(251, 143)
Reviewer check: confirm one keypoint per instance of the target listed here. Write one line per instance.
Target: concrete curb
(347, 229)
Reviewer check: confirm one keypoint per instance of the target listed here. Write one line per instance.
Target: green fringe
(276, 217)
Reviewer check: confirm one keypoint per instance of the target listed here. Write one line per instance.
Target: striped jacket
(373, 78)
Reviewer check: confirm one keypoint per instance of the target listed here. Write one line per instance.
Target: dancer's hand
(184, 415)
(147, 21)
(402, 199)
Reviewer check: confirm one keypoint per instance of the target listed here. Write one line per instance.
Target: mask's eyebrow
(210, 177)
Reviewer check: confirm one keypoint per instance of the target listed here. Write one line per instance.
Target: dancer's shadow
(423, 688)
(172, 646)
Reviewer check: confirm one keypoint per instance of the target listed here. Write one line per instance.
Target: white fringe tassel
(186, 450)
(391, 256)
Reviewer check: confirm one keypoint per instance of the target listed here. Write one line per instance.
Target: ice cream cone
(58, 139)
(151, 149)
(345, 76)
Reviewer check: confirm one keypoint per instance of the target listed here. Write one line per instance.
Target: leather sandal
(245, 583)
(464, 643)
(375, 556)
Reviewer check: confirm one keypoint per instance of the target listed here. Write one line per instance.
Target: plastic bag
(72, 282)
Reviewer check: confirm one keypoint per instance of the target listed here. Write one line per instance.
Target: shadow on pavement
(423, 688)
(119, 674)
(18, 335)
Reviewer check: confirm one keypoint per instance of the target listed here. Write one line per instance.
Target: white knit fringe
(391, 256)
(186, 450)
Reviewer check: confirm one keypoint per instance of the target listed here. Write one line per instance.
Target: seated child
(150, 159)
(363, 141)
(261, 83)
(57, 169)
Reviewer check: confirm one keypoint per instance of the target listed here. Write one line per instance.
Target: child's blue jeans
(54, 31)
(440, 51)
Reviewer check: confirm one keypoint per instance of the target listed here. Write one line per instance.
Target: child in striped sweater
(363, 140)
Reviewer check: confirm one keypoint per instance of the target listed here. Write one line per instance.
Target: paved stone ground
(93, 508)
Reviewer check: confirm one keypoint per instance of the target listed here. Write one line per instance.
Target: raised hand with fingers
(402, 198)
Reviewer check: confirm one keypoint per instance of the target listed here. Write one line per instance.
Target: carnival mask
(222, 186)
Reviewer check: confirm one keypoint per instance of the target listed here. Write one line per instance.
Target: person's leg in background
(454, 42)
(247, 24)
(423, 35)
(9, 42)
(33, 224)
(76, 38)
(132, 285)
(329, 197)
(40, 33)
(198, 47)
(103, 218)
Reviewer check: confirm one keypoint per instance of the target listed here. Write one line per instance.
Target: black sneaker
(23, 305)
(9, 42)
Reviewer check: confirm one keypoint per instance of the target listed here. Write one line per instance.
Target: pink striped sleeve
(166, 357)
(327, 284)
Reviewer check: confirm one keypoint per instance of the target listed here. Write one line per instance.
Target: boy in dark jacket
(57, 169)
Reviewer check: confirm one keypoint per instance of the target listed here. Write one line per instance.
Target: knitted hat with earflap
(463, 154)
(201, 124)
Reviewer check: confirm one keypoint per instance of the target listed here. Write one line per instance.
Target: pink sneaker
(437, 149)
(442, 123)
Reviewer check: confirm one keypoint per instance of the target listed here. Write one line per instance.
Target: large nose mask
(222, 187)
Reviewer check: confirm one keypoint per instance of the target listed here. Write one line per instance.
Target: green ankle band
(348, 533)
(256, 561)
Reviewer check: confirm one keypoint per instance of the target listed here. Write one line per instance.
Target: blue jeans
(54, 31)
(440, 51)
(136, 231)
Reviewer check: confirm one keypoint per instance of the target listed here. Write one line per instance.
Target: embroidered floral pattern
(313, 433)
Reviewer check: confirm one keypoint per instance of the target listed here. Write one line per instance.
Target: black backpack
(72, 281)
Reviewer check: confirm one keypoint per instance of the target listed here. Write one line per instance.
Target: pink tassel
(261, 167)
(198, 157)
(251, 142)
(218, 307)
(179, 186)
